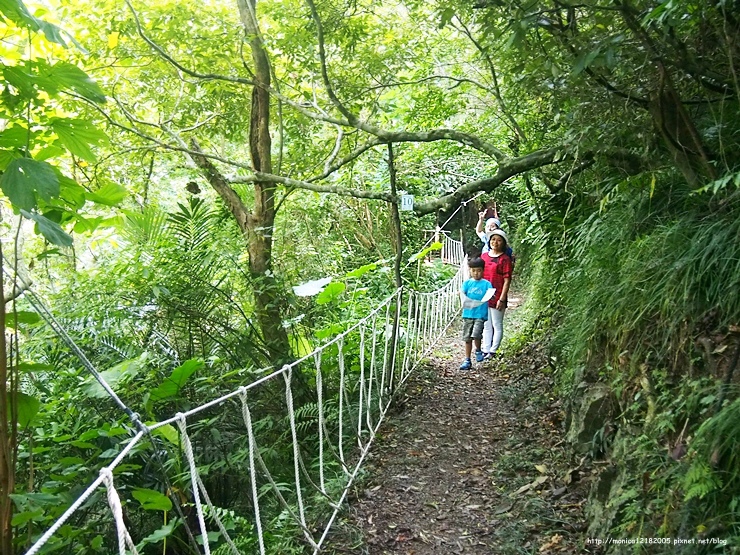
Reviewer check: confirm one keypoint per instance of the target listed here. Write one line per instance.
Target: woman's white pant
(493, 330)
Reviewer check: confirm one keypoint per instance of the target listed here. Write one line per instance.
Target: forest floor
(470, 462)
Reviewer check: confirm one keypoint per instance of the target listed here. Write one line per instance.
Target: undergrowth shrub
(642, 295)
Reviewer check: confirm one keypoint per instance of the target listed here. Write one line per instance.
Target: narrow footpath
(470, 462)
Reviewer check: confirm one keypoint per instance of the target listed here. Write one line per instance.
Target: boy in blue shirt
(474, 293)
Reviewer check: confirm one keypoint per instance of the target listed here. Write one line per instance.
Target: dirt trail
(470, 462)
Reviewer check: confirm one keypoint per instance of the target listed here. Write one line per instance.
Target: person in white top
(484, 230)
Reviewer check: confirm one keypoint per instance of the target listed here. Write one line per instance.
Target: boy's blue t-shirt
(475, 289)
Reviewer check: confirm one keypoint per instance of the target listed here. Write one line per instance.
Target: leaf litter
(469, 462)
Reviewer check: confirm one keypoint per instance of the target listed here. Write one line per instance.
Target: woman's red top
(497, 269)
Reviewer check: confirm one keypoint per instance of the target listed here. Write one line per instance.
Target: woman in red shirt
(498, 272)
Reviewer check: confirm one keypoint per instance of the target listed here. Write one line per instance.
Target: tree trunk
(398, 246)
(7, 437)
(259, 224)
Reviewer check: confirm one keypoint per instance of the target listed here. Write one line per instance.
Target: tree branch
(219, 183)
(328, 170)
(574, 170)
(496, 90)
(299, 184)
(351, 119)
(505, 171)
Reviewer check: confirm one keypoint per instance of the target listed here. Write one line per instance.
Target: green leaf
(71, 192)
(34, 367)
(122, 372)
(69, 76)
(17, 12)
(51, 231)
(15, 136)
(82, 444)
(27, 499)
(152, 500)
(110, 194)
(422, 253)
(51, 151)
(28, 407)
(21, 519)
(167, 432)
(54, 33)
(12, 319)
(445, 17)
(24, 178)
(300, 345)
(78, 136)
(584, 60)
(159, 535)
(7, 156)
(70, 461)
(331, 292)
(362, 270)
(180, 375)
(21, 78)
(83, 225)
(330, 331)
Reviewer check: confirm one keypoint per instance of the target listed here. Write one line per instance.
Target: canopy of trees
(183, 164)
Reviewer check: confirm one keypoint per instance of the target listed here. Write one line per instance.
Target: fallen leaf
(558, 493)
(537, 481)
(505, 508)
(523, 489)
(554, 541)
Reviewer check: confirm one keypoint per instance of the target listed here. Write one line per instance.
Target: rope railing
(338, 395)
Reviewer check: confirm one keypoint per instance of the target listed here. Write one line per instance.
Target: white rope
(409, 336)
(288, 375)
(396, 344)
(387, 336)
(124, 538)
(214, 514)
(427, 316)
(320, 403)
(275, 489)
(340, 362)
(187, 446)
(281, 371)
(82, 498)
(252, 471)
(371, 375)
(361, 407)
(419, 302)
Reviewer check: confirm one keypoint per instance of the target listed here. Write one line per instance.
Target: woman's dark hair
(506, 241)
(476, 263)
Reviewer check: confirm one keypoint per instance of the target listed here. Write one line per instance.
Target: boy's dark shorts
(472, 328)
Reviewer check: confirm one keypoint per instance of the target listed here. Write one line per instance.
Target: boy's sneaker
(466, 365)
(479, 356)
(488, 356)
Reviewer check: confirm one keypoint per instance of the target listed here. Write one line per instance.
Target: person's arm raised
(480, 225)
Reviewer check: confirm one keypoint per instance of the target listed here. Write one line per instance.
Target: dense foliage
(212, 156)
